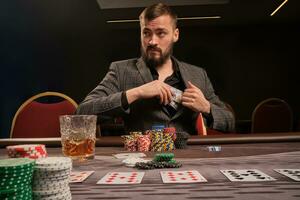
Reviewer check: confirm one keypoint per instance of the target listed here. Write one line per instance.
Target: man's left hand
(194, 99)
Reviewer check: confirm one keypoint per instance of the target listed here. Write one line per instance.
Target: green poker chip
(15, 178)
(16, 164)
(163, 157)
(19, 190)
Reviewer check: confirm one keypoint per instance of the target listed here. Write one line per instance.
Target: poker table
(252, 151)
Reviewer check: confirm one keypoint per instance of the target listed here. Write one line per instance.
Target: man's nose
(153, 40)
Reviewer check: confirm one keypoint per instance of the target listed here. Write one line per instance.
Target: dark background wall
(66, 46)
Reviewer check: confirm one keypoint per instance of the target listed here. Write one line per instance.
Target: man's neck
(165, 70)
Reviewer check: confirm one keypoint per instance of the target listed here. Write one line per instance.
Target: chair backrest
(272, 115)
(34, 119)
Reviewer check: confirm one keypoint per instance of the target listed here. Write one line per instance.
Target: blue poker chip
(214, 148)
(158, 127)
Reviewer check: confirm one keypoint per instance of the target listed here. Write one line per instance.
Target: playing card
(291, 173)
(191, 176)
(246, 175)
(122, 178)
(177, 94)
(77, 177)
(127, 155)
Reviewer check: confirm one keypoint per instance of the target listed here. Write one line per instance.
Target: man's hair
(157, 10)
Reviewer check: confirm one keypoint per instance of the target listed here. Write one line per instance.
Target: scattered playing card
(291, 173)
(246, 175)
(122, 178)
(191, 176)
(77, 177)
(126, 155)
(130, 161)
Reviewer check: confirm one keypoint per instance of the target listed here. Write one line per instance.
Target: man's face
(157, 39)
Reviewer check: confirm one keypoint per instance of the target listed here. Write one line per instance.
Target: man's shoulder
(190, 67)
(127, 62)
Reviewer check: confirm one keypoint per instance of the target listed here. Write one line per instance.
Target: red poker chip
(33, 151)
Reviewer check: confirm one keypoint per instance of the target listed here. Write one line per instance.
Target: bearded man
(157, 88)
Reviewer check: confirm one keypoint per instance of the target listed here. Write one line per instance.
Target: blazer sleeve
(106, 97)
(223, 118)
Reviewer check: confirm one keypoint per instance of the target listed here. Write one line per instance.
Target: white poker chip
(51, 191)
(53, 163)
(51, 178)
(62, 195)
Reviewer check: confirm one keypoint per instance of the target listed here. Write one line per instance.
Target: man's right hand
(152, 89)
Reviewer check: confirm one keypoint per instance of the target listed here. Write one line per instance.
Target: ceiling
(225, 12)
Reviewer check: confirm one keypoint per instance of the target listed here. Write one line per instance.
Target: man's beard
(152, 61)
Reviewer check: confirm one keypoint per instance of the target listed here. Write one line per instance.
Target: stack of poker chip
(130, 141)
(15, 178)
(51, 178)
(143, 142)
(161, 141)
(181, 140)
(170, 131)
(157, 140)
(33, 151)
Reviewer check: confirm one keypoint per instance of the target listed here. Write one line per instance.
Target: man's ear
(176, 35)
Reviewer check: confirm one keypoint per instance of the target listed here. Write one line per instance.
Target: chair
(203, 130)
(272, 115)
(35, 119)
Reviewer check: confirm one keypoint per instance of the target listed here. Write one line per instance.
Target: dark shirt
(173, 80)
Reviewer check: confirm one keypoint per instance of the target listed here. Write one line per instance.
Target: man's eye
(161, 34)
(146, 34)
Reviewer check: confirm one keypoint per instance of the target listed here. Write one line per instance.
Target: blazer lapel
(185, 78)
(183, 72)
(144, 71)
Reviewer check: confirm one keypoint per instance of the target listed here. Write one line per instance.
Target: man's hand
(194, 99)
(149, 90)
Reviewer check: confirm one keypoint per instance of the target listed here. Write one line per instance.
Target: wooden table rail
(193, 140)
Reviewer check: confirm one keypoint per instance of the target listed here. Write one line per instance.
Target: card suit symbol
(180, 173)
(122, 177)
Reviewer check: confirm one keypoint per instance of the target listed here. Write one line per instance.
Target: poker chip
(51, 178)
(33, 151)
(53, 163)
(170, 131)
(181, 140)
(155, 165)
(15, 178)
(158, 139)
(163, 157)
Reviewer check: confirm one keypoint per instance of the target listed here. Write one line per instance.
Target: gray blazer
(105, 99)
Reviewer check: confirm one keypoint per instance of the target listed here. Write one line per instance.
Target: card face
(122, 178)
(127, 155)
(177, 94)
(191, 176)
(78, 177)
(291, 173)
(246, 175)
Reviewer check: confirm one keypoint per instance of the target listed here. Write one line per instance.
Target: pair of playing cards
(176, 98)
(191, 176)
